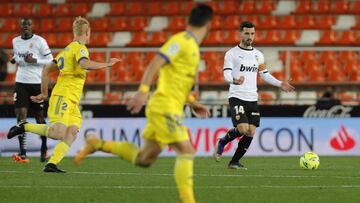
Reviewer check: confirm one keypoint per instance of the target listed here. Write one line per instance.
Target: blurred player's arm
(228, 69)
(200, 110)
(267, 77)
(45, 78)
(93, 65)
(139, 99)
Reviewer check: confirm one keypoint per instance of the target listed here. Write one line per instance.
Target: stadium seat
(23, 10)
(328, 37)
(354, 7)
(327, 56)
(153, 8)
(176, 23)
(79, 9)
(96, 76)
(354, 75)
(325, 21)
(118, 24)
(348, 38)
(100, 39)
(348, 55)
(247, 7)
(51, 39)
(117, 9)
(99, 24)
(267, 98)
(289, 37)
(6, 9)
(303, 7)
(134, 56)
(112, 98)
(232, 22)
(212, 55)
(135, 8)
(340, 7)
(98, 56)
(336, 75)
(187, 6)
(287, 22)
(320, 7)
(203, 77)
(10, 77)
(43, 10)
(265, 7)
(157, 39)
(308, 55)
(150, 56)
(138, 39)
(46, 25)
(8, 40)
(229, 8)
(252, 18)
(62, 10)
(171, 8)
(214, 38)
(233, 38)
(9, 25)
(217, 22)
(117, 54)
(306, 22)
(137, 23)
(268, 22)
(64, 25)
(297, 75)
(66, 38)
(271, 37)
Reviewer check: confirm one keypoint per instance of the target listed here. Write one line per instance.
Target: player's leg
(253, 115)
(237, 116)
(38, 109)
(184, 170)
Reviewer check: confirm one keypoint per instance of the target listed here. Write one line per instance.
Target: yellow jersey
(72, 76)
(182, 55)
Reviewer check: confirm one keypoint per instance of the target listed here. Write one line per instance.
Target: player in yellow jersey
(73, 63)
(177, 62)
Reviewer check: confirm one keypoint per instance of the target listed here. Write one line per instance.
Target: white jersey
(244, 62)
(38, 47)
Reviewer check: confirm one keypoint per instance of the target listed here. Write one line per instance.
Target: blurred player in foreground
(73, 63)
(177, 62)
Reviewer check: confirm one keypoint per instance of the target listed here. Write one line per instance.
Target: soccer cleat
(237, 166)
(52, 168)
(219, 148)
(92, 145)
(43, 156)
(20, 158)
(17, 129)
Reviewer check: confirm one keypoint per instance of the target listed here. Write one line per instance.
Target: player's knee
(251, 133)
(243, 130)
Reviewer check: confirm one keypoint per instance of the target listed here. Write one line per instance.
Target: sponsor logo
(342, 141)
(248, 68)
(337, 111)
(255, 113)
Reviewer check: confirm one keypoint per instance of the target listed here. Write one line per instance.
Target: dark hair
(246, 24)
(200, 15)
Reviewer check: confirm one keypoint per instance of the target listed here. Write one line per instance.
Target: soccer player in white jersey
(242, 63)
(31, 54)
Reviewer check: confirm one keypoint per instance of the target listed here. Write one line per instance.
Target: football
(309, 161)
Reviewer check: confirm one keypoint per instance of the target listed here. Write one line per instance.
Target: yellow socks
(125, 150)
(184, 177)
(59, 153)
(40, 129)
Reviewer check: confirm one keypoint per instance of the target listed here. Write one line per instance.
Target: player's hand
(113, 61)
(285, 86)
(29, 59)
(38, 98)
(135, 104)
(200, 110)
(239, 81)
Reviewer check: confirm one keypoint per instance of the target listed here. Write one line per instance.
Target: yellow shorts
(62, 110)
(165, 128)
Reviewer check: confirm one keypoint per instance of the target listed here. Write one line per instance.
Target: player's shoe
(20, 158)
(52, 168)
(17, 129)
(92, 145)
(43, 156)
(219, 149)
(237, 166)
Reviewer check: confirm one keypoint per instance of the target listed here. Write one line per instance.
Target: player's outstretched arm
(93, 65)
(267, 77)
(135, 104)
(45, 78)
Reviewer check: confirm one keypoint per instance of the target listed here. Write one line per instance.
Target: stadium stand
(283, 27)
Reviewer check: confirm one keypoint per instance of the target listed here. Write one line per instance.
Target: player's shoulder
(183, 37)
(16, 39)
(38, 38)
(232, 50)
(257, 51)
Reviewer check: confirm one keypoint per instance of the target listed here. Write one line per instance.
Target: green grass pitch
(268, 179)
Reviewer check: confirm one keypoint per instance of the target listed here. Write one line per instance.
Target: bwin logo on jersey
(248, 68)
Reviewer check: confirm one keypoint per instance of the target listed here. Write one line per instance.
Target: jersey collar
(252, 48)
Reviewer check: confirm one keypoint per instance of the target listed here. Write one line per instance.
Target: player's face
(26, 27)
(247, 36)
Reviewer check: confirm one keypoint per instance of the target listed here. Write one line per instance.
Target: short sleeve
(228, 61)
(261, 59)
(170, 50)
(81, 53)
(44, 47)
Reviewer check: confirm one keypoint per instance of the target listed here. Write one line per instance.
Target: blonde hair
(80, 26)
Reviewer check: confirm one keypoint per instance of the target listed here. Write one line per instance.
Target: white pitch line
(196, 175)
(121, 187)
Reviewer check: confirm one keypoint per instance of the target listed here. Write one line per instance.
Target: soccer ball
(309, 161)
